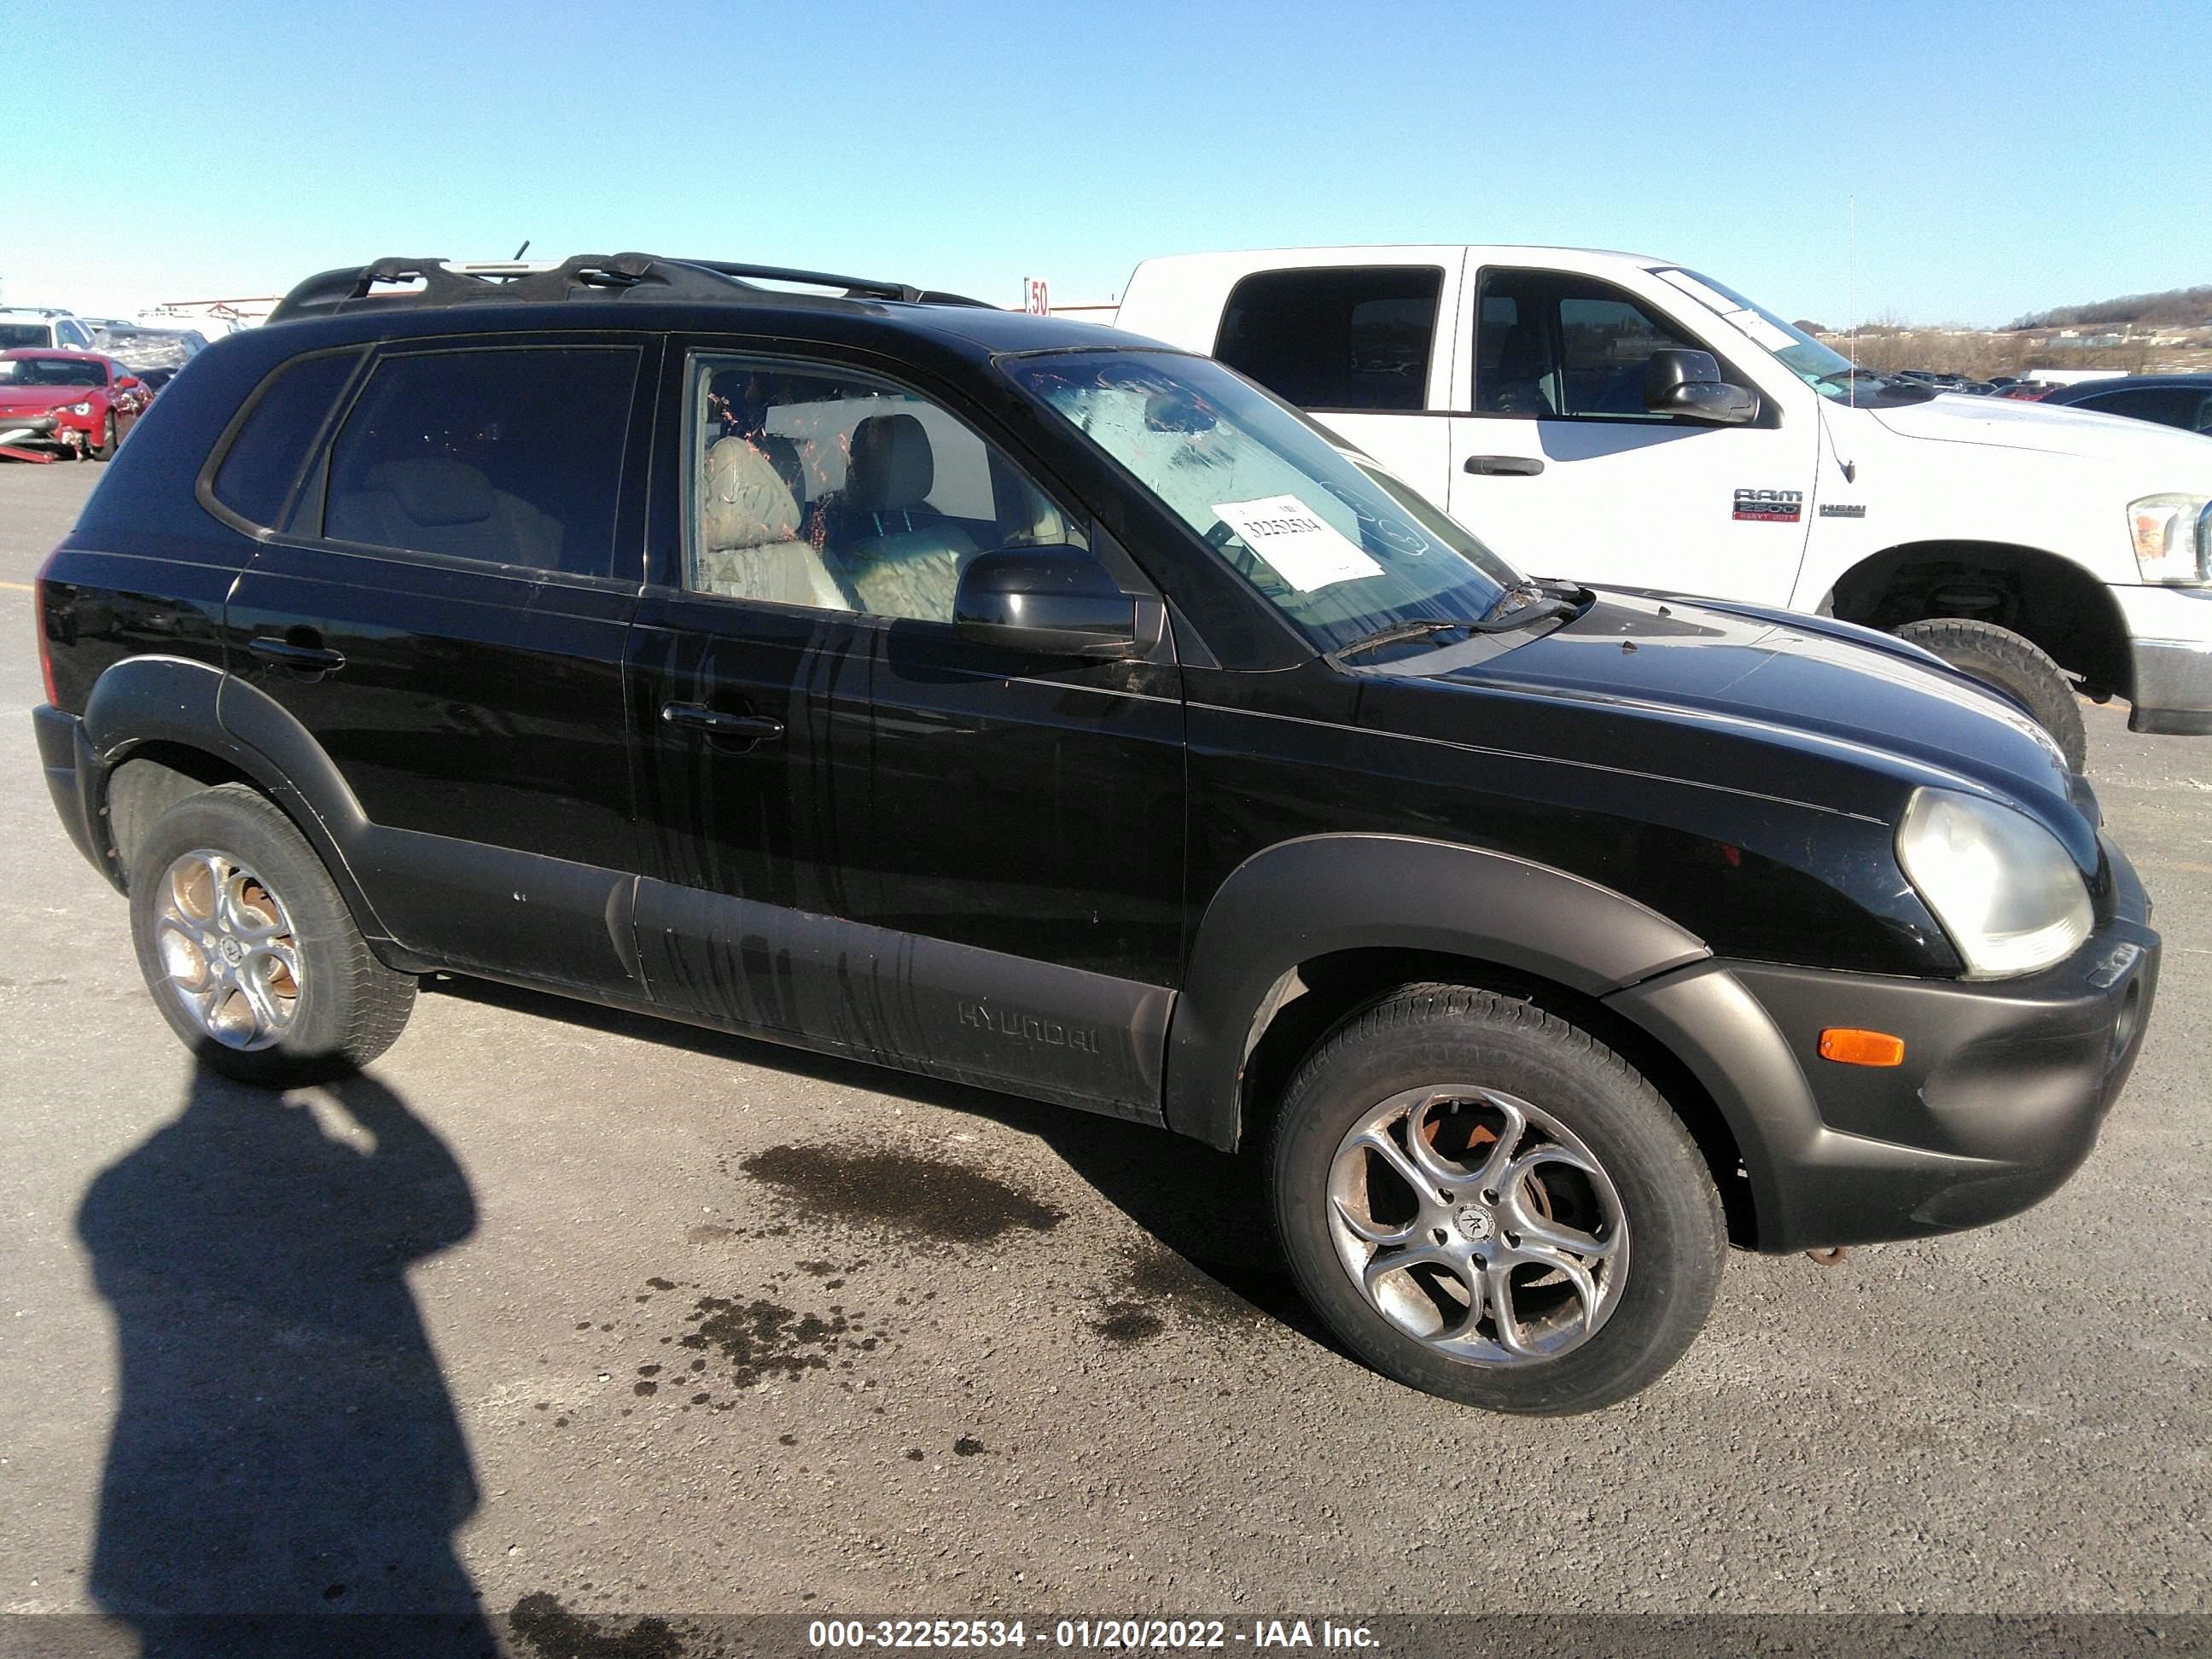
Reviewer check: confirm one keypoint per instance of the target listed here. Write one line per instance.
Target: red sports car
(75, 403)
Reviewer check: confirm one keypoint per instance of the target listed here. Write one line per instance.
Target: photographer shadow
(284, 1445)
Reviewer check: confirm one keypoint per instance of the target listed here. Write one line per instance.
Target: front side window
(15, 335)
(1298, 518)
(1552, 346)
(840, 492)
(508, 456)
(1337, 337)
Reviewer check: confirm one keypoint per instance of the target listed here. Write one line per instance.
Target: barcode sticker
(1305, 548)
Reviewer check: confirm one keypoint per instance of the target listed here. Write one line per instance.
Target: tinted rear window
(507, 455)
(1337, 337)
(266, 455)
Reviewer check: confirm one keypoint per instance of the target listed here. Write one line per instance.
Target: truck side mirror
(1689, 384)
(1045, 602)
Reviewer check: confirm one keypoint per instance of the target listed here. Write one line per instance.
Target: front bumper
(2170, 648)
(2003, 1087)
(30, 436)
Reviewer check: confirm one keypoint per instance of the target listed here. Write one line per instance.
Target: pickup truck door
(1558, 466)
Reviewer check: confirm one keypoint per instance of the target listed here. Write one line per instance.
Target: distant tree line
(2176, 307)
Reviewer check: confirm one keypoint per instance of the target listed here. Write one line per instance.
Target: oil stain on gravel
(1157, 1281)
(738, 1342)
(908, 1193)
(760, 1339)
(552, 1631)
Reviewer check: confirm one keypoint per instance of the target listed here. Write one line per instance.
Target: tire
(295, 995)
(1997, 656)
(105, 449)
(1471, 1060)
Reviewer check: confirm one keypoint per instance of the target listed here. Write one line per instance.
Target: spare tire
(1999, 657)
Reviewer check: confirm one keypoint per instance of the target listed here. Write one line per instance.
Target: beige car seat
(903, 556)
(749, 544)
(434, 504)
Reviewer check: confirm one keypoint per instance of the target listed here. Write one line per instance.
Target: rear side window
(265, 457)
(508, 455)
(1355, 338)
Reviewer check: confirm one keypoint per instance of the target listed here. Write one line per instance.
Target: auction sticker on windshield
(1305, 550)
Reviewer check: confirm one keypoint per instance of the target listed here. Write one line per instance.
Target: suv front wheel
(249, 949)
(1484, 1203)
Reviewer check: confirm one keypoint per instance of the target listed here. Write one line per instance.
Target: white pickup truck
(1624, 421)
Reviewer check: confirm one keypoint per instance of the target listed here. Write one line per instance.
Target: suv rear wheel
(1484, 1203)
(249, 949)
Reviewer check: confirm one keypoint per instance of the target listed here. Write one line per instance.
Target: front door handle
(300, 659)
(1504, 466)
(746, 728)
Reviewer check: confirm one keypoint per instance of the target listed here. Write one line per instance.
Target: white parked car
(1626, 422)
(43, 328)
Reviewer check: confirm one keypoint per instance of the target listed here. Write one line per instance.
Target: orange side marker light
(1853, 1047)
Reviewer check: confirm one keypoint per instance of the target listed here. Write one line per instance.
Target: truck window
(1338, 337)
(1551, 346)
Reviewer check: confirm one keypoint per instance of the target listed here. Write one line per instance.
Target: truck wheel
(105, 449)
(249, 948)
(1483, 1202)
(1997, 656)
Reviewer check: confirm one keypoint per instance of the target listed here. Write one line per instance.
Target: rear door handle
(747, 729)
(300, 659)
(1504, 466)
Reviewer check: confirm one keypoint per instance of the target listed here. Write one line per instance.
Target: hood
(2056, 429)
(1746, 699)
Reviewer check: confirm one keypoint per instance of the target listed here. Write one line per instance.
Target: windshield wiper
(1517, 607)
(1398, 633)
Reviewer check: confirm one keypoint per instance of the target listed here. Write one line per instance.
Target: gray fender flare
(1303, 899)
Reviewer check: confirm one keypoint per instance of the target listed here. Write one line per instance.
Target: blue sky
(2003, 158)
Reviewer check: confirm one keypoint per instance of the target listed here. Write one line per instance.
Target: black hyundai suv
(1025, 703)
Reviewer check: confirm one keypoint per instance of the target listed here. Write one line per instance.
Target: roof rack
(587, 275)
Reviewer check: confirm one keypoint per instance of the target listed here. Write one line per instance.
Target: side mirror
(1046, 602)
(1689, 384)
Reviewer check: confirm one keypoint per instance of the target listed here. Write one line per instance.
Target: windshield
(50, 371)
(1827, 370)
(1298, 519)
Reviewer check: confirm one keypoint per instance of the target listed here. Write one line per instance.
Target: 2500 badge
(1770, 505)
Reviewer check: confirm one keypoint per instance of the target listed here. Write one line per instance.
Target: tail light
(46, 644)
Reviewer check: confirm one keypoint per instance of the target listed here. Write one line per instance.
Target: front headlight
(2173, 536)
(77, 409)
(2005, 890)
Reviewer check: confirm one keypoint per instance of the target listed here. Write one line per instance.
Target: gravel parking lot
(646, 1319)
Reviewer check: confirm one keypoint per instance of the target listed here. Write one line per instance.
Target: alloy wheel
(227, 950)
(1477, 1224)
